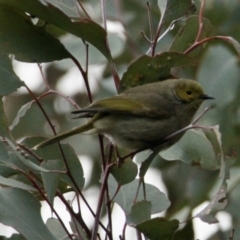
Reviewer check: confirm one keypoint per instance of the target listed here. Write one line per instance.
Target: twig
(104, 20)
(84, 75)
(150, 21)
(200, 21)
(76, 216)
(232, 234)
(197, 44)
(32, 180)
(83, 9)
(43, 77)
(100, 201)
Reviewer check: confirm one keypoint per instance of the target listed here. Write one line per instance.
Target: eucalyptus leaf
(23, 160)
(51, 179)
(20, 210)
(176, 9)
(193, 148)
(186, 36)
(9, 81)
(27, 42)
(23, 110)
(4, 130)
(158, 228)
(84, 28)
(217, 203)
(127, 193)
(13, 183)
(52, 152)
(148, 69)
(126, 172)
(56, 228)
(140, 212)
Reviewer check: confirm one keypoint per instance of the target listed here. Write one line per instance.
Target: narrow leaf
(13, 183)
(51, 179)
(24, 160)
(23, 110)
(4, 130)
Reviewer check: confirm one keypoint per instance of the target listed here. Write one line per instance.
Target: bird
(141, 117)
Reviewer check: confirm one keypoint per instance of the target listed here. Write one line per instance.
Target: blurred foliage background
(217, 69)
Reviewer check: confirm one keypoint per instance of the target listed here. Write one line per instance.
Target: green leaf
(22, 160)
(218, 203)
(4, 131)
(27, 42)
(146, 163)
(186, 36)
(126, 172)
(9, 81)
(51, 179)
(175, 9)
(127, 193)
(158, 228)
(194, 149)
(13, 183)
(56, 228)
(20, 210)
(148, 69)
(140, 212)
(22, 111)
(52, 152)
(14, 237)
(84, 28)
(222, 65)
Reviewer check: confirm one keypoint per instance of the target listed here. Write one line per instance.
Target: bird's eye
(188, 92)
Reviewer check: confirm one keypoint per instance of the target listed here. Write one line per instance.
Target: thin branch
(200, 21)
(199, 43)
(76, 216)
(150, 21)
(145, 36)
(154, 44)
(83, 9)
(63, 155)
(100, 201)
(124, 231)
(43, 77)
(84, 75)
(42, 109)
(115, 75)
(32, 180)
(104, 19)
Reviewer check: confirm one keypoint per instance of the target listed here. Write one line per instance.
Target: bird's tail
(61, 136)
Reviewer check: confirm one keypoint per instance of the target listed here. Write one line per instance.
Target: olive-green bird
(143, 116)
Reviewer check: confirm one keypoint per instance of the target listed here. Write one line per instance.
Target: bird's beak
(205, 97)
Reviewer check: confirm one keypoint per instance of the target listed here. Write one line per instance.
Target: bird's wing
(133, 105)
